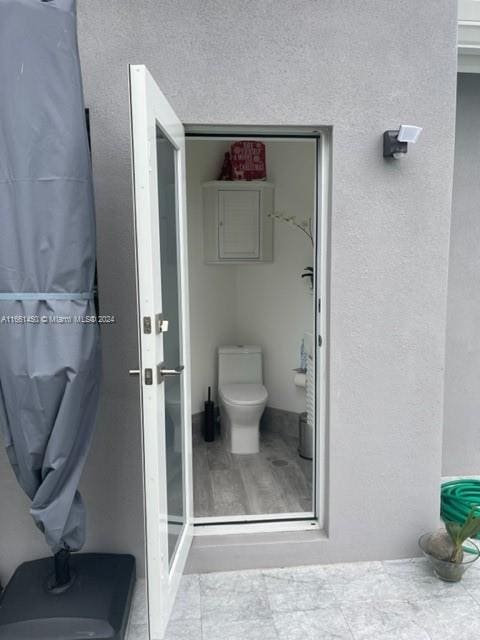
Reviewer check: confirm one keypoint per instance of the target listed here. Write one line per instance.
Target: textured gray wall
(461, 443)
(312, 62)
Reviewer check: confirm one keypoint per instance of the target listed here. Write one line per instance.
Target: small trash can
(305, 437)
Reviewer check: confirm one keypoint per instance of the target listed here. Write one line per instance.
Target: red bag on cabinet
(248, 160)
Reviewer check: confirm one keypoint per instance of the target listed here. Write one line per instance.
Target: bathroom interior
(252, 322)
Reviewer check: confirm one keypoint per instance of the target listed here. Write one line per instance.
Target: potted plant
(451, 550)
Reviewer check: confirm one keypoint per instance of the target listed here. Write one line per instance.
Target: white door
(158, 147)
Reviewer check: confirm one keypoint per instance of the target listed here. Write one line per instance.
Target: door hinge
(319, 305)
(320, 341)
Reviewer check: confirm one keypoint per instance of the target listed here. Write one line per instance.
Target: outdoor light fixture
(395, 142)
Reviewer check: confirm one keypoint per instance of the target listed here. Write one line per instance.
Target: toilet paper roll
(300, 380)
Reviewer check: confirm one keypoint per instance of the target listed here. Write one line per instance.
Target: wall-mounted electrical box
(237, 223)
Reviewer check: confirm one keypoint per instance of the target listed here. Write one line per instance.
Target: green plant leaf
(453, 530)
(470, 528)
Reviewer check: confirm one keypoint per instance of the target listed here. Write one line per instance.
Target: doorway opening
(255, 261)
(247, 331)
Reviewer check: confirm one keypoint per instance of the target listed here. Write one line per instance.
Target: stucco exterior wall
(461, 442)
(292, 62)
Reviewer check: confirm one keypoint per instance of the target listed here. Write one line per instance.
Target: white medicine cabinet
(237, 223)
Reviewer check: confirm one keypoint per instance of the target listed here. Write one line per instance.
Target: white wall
(266, 304)
(274, 306)
(461, 438)
(212, 288)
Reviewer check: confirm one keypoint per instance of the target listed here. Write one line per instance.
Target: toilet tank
(240, 364)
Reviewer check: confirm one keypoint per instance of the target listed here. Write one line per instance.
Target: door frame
(468, 42)
(149, 109)
(317, 520)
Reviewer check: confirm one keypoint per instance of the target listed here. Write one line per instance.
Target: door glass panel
(167, 207)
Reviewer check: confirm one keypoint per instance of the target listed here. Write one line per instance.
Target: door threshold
(252, 524)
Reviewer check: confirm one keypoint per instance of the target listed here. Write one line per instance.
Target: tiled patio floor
(395, 600)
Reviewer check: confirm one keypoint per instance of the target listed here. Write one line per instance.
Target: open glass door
(162, 288)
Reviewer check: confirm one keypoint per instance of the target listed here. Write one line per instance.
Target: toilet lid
(244, 393)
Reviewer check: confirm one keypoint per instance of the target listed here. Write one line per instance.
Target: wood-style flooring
(276, 480)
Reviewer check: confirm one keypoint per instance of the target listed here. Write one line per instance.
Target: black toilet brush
(209, 419)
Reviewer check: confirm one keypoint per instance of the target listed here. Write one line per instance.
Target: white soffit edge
(469, 36)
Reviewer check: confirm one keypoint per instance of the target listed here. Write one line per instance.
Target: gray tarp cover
(49, 361)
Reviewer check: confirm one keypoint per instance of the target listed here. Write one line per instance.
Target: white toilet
(242, 396)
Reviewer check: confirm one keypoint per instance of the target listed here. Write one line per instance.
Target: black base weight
(94, 607)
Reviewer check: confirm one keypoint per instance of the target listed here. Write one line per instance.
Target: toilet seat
(243, 394)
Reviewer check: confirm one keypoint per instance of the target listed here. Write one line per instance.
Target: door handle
(161, 373)
(171, 372)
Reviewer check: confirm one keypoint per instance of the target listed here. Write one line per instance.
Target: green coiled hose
(457, 499)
